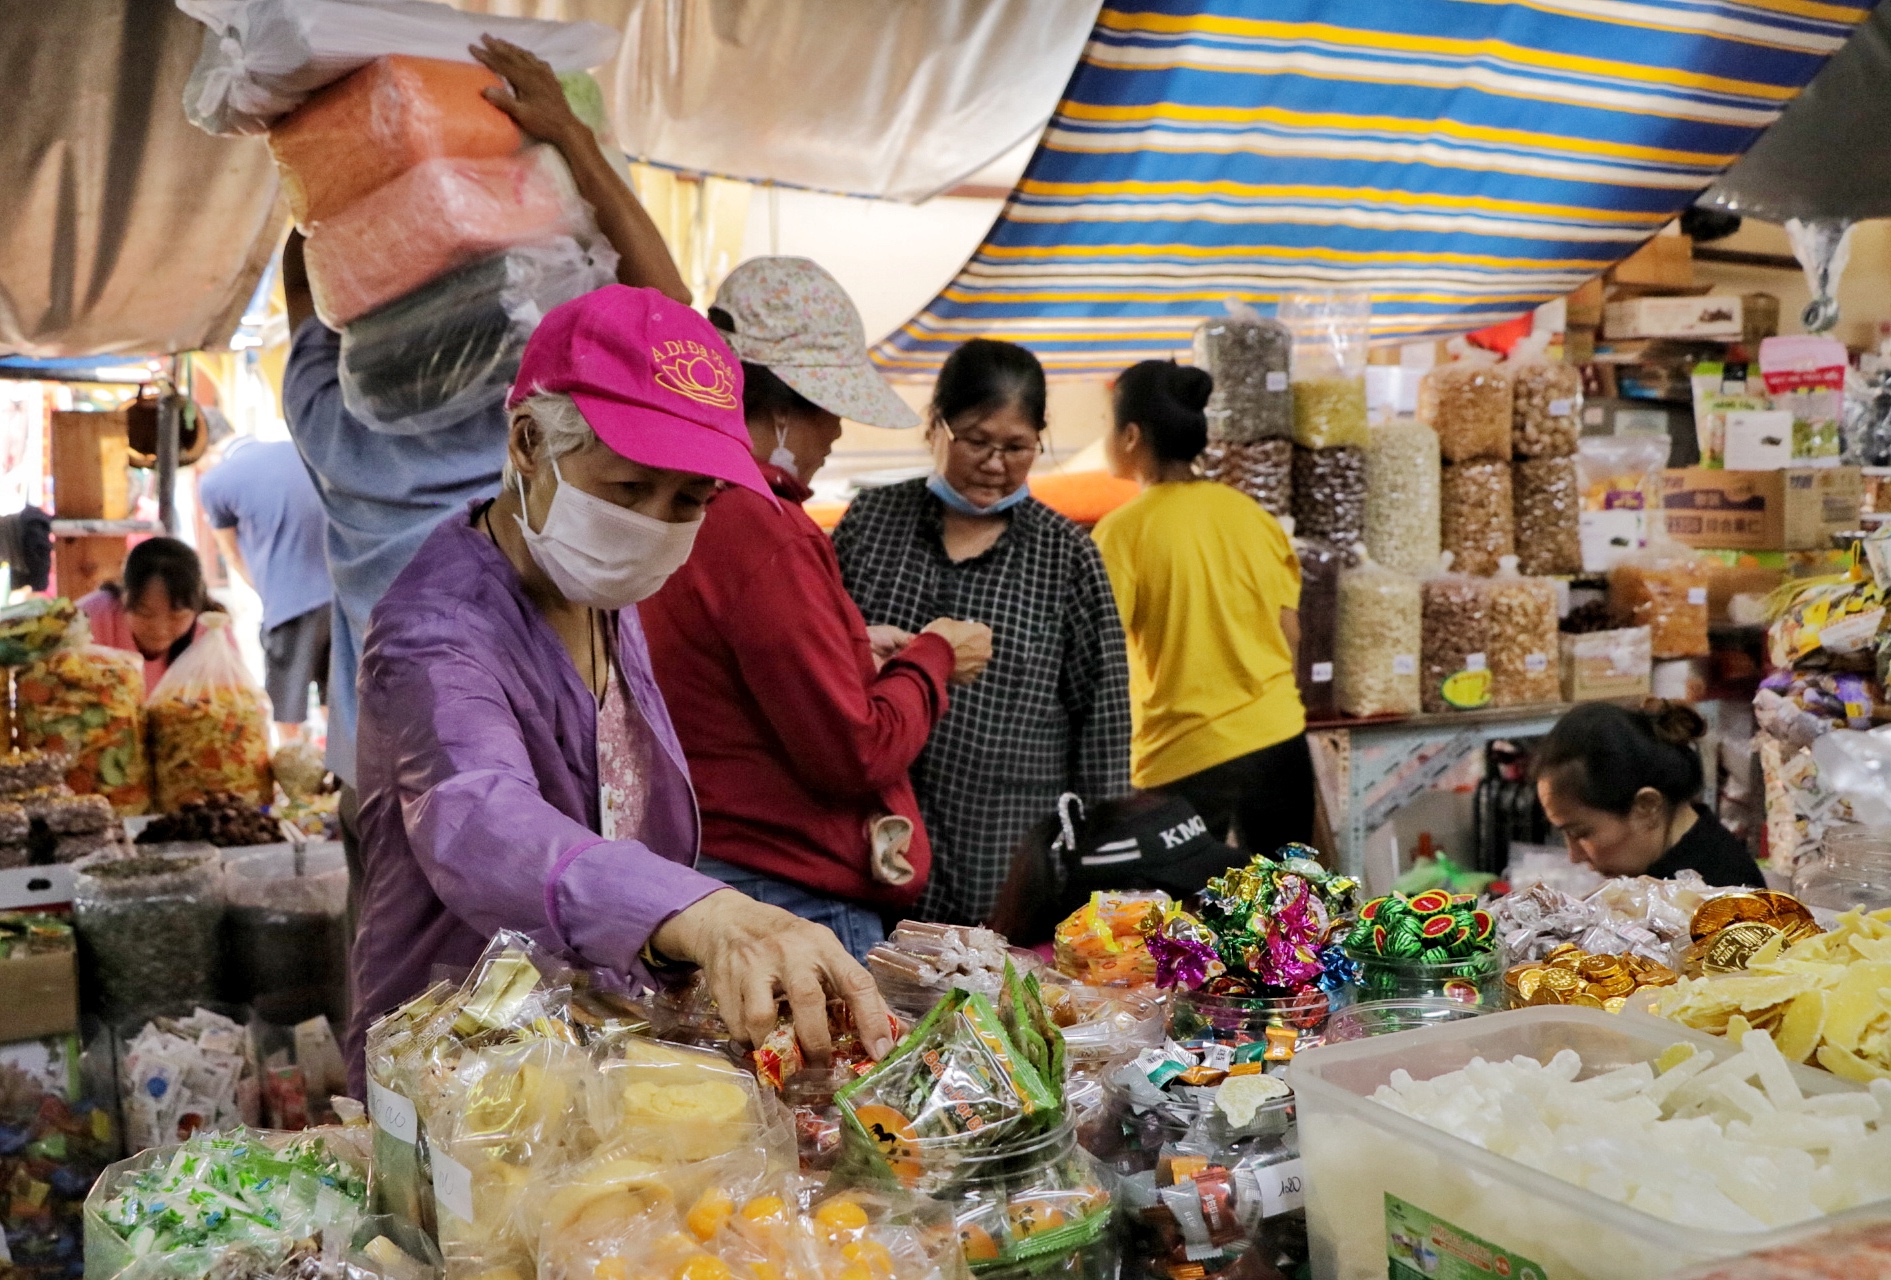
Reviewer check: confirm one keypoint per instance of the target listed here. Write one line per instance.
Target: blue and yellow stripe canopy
(1463, 159)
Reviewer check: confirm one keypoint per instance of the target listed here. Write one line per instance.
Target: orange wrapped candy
(364, 131)
(1102, 942)
(88, 703)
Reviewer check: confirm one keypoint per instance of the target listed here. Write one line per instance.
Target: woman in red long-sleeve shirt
(798, 740)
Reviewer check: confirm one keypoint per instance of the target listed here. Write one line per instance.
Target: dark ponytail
(983, 376)
(1600, 754)
(1166, 400)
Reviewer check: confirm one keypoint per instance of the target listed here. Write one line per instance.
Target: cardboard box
(1584, 306)
(1710, 315)
(36, 888)
(1607, 664)
(1796, 509)
(1665, 262)
(42, 995)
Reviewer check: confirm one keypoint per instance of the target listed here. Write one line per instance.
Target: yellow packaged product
(87, 701)
(209, 724)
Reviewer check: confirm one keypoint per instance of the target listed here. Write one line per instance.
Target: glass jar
(1034, 1205)
(1851, 869)
(1250, 1169)
(1283, 1025)
(1384, 1017)
(1476, 980)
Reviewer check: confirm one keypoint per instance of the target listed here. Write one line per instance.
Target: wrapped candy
(177, 1076)
(920, 961)
(1104, 942)
(1628, 915)
(1271, 922)
(1432, 943)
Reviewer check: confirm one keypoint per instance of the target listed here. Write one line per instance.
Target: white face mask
(599, 554)
(783, 456)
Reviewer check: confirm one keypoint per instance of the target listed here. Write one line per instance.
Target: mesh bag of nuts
(1523, 646)
(1329, 494)
(1456, 650)
(1546, 421)
(1546, 494)
(1375, 669)
(1663, 588)
(1468, 405)
(1402, 482)
(1475, 521)
(1262, 469)
(1248, 356)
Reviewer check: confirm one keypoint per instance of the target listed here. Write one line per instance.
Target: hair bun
(1674, 723)
(1191, 386)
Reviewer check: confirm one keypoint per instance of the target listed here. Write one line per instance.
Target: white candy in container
(1747, 1154)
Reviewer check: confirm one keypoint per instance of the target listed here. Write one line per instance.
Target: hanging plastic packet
(1621, 496)
(1806, 376)
(1827, 623)
(1823, 247)
(209, 724)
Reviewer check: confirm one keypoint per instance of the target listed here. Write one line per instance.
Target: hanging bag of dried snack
(209, 724)
(86, 701)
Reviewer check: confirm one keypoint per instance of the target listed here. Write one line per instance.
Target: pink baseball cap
(651, 377)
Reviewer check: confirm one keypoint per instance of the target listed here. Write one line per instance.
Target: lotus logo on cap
(695, 372)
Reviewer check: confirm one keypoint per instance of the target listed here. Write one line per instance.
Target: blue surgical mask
(956, 501)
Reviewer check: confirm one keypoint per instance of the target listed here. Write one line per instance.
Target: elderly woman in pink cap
(517, 766)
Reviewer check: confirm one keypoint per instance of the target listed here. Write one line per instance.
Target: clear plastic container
(1851, 869)
(285, 944)
(1474, 980)
(1238, 1020)
(148, 929)
(1358, 1153)
(1384, 1017)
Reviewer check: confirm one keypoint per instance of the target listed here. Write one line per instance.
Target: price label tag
(1276, 380)
(1404, 664)
(1474, 662)
(1697, 595)
(1282, 1188)
(1322, 673)
(453, 1186)
(393, 1115)
(1562, 408)
(1535, 663)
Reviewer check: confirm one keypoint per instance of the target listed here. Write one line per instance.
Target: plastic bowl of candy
(1383, 1017)
(1476, 979)
(1285, 1024)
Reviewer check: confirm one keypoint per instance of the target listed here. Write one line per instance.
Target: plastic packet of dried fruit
(1663, 588)
(209, 724)
(87, 701)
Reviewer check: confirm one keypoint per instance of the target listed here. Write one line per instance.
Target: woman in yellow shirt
(1209, 590)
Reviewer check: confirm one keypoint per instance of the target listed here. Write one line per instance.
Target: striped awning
(1465, 160)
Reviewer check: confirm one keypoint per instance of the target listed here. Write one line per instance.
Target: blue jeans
(858, 928)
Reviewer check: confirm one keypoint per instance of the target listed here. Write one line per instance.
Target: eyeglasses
(1005, 453)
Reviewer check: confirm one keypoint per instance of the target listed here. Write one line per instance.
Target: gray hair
(562, 429)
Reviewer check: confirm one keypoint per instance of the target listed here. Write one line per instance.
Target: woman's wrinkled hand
(532, 96)
(752, 955)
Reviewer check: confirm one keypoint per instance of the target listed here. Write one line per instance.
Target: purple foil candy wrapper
(1180, 962)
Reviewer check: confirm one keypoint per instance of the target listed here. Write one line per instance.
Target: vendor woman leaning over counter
(1624, 789)
(154, 611)
(518, 768)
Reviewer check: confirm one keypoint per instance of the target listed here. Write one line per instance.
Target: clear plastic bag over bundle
(1469, 406)
(1248, 355)
(1546, 496)
(1546, 418)
(1380, 635)
(86, 701)
(1621, 495)
(209, 724)
(262, 58)
(1262, 469)
(149, 929)
(366, 130)
(451, 348)
(1329, 494)
(1320, 566)
(1456, 645)
(1330, 336)
(1402, 496)
(1523, 640)
(439, 215)
(1663, 588)
(1475, 521)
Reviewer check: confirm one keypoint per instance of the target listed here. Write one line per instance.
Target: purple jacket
(477, 771)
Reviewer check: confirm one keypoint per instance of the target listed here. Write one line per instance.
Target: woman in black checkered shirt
(1051, 713)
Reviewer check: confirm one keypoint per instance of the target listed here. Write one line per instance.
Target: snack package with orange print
(1102, 942)
(209, 724)
(87, 702)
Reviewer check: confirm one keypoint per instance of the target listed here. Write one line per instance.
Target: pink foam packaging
(439, 215)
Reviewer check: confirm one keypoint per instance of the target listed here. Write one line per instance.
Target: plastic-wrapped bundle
(1248, 358)
(1457, 636)
(1469, 406)
(362, 133)
(262, 58)
(1545, 420)
(1329, 495)
(1402, 482)
(1262, 469)
(1546, 496)
(209, 725)
(1663, 588)
(88, 702)
(1475, 521)
(439, 215)
(1376, 663)
(1330, 333)
(1320, 565)
(451, 348)
(1523, 643)
(148, 929)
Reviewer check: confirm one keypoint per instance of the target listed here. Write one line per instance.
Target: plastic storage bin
(1371, 1170)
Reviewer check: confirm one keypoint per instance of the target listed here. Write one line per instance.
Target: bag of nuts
(1329, 494)
(1375, 667)
(1402, 496)
(1248, 355)
(1469, 406)
(1523, 644)
(1547, 408)
(1546, 494)
(1262, 469)
(1457, 638)
(1476, 523)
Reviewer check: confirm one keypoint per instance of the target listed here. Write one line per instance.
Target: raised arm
(536, 102)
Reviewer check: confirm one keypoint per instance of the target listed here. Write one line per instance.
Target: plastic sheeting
(893, 98)
(1795, 170)
(122, 228)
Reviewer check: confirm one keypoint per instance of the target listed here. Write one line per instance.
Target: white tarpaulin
(892, 98)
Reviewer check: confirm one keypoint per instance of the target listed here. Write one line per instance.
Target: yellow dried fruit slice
(1849, 1065)
(1800, 1029)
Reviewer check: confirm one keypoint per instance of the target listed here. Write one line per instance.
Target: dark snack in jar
(1329, 496)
